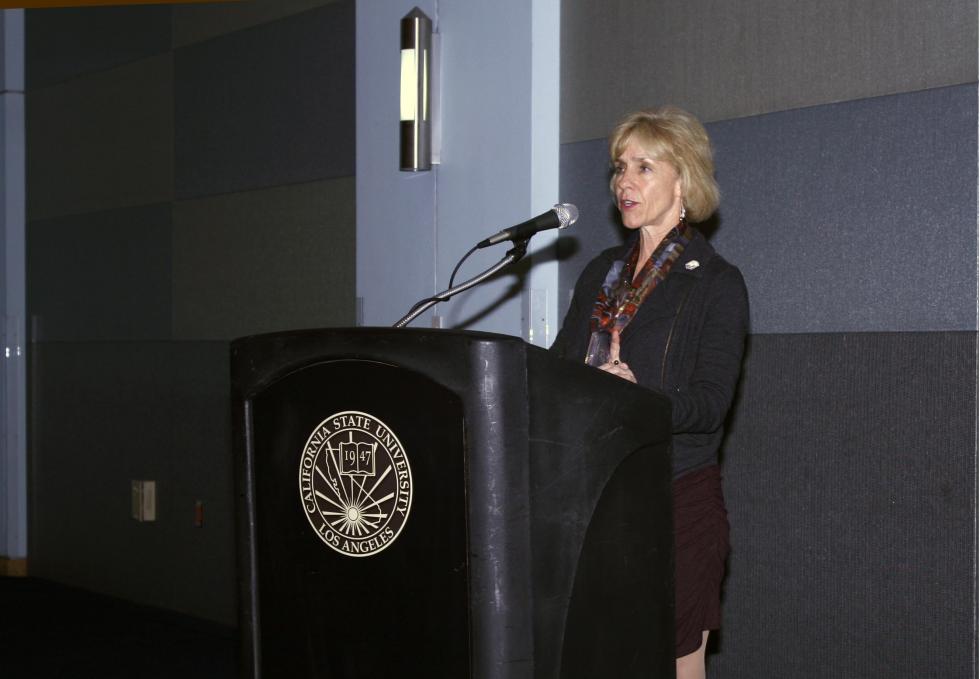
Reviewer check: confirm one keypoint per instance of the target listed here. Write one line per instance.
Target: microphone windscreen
(567, 214)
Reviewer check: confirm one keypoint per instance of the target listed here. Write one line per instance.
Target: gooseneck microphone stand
(513, 255)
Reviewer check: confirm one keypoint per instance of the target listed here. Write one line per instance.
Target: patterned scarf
(619, 300)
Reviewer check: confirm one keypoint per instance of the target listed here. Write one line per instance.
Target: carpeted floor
(49, 630)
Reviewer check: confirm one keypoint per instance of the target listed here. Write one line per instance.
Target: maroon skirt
(700, 550)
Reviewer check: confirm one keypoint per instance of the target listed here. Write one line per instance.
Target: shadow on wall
(565, 248)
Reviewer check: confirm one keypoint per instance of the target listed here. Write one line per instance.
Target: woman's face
(648, 191)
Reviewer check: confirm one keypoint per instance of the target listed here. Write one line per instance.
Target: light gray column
(499, 165)
(13, 450)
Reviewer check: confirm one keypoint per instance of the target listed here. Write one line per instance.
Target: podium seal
(355, 483)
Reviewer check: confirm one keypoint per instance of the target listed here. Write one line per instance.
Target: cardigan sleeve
(572, 340)
(701, 405)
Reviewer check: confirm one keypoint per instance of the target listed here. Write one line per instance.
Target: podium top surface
(457, 358)
(261, 356)
(370, 331)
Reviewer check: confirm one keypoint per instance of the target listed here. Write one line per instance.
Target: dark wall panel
(856, 216)
(859, 216)
(62, 43)
(128, 281)
(101, 276)
(268, 105)
(850, 481)
(261, 261)
(112, 412)
(196, 22)
(103, 141)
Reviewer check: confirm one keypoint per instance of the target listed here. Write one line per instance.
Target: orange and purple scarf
(619, 299)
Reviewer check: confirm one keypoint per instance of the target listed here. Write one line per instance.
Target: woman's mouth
(626, 204)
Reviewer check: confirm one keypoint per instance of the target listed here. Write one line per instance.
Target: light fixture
(416, 99)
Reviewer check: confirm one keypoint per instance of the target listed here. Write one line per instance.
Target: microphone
(560, 216)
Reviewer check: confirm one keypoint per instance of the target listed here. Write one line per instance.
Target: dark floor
(48, 630)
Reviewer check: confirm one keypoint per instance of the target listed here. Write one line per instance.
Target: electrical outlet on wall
(144, 500)
(534, 317)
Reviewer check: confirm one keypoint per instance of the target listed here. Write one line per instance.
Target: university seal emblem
(355, 483)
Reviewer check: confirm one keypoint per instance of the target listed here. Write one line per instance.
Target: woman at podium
(664, 310)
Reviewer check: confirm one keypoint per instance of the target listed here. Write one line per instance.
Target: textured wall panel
(850, 481)
(856, 216)
(849, 217)
(200, 467)
(101, 276)
(106, 413)
(724, 59)
(198, 22)
(268, 105)
(102, 141)
(66, 42)
(261, 261)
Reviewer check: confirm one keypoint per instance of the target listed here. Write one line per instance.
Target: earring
(683, 212)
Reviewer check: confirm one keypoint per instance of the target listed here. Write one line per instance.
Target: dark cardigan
(686, 340)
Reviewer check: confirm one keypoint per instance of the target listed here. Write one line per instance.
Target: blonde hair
(675, 136)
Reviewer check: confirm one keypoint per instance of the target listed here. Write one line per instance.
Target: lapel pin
(692, 265)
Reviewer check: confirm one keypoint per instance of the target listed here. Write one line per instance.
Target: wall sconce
(416, 92)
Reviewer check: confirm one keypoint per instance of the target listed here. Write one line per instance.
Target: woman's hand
(614, 365)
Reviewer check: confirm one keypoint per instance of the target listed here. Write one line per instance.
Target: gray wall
(846, 148)
(13, 385)
(498, 97)
(190, 180)
(723, 60)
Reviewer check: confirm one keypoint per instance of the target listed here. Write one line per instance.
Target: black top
(686, 340)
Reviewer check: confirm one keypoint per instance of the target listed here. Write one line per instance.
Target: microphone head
(567, 214)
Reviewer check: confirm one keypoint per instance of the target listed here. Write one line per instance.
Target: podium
(447, 504)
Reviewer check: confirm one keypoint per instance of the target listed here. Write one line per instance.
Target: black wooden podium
(448, 504)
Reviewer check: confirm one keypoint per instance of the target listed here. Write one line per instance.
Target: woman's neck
(650, 238)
